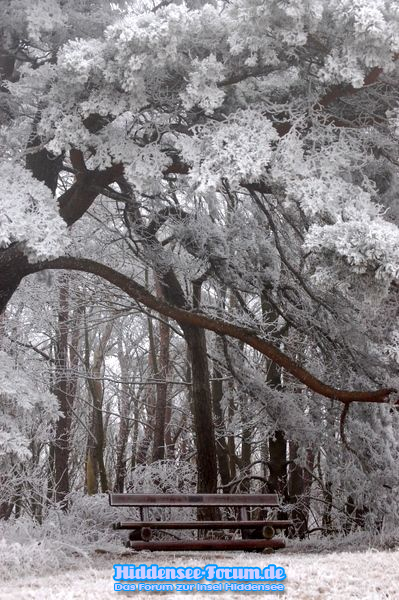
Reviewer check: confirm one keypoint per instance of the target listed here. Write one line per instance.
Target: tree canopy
(244, 153)
(257, 139)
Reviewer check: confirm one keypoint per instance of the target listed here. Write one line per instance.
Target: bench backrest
(193, 499)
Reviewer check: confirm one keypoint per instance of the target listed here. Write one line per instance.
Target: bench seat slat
(193, 499)
(200, 524)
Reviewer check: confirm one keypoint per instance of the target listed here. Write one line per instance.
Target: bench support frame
(255, 534)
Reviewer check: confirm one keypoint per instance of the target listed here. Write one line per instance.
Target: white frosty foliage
(202, 86)
(29, 214)
(20, 401)
(237, 149)
(346, 224)
(80, 58)
(369, 245)
(275, 23)
(146, 168)
(373, 37)
(43, 16)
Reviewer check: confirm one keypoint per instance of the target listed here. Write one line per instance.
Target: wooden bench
(255, 534)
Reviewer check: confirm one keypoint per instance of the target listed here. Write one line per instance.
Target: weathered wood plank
(193, 499)
(200, 524)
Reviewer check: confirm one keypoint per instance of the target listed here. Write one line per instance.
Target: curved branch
(199, 319)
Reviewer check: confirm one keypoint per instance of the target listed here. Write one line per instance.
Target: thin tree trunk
(278, 464)
(61, 388)
(170, 444)
(299, 482)
(231, 445)
(135, 434)
(95, 465)
(120, 467)
(123, 434)
(158, 449)
(246, 438)
(148, 433)
(221, 444)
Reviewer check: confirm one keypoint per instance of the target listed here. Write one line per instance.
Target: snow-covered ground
(366, 575)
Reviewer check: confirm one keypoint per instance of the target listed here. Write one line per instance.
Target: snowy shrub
(62, 538)
(26, 416)
(165, 477)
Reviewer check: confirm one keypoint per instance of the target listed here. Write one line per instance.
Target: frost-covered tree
(27, 415)
(246, 153)
(184, 101)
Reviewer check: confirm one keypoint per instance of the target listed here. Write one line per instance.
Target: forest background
(199, 257)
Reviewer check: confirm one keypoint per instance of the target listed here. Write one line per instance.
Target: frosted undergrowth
(83, 537)
(355, 542)
(62, 541)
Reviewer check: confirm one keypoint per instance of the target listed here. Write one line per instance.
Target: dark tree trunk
(143, 444)
(278, 464)
(124, 426)
(14, 266)
(231, 445)
(221, 444)
(95, 465)
(169, 439)
(202, 411)
(278, 482)
(201, 393)
(158, 450)
(6, 509)
(203, 422)
(202, 405)
(328, 506)
(120, 467)
(135, 434)
(61, 389)
(148, 429)
(297, 493)
(246, 438)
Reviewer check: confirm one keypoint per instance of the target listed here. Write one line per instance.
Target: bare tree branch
(198, 319)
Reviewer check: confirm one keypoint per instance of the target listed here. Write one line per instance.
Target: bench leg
(144, 534)
(268, 532)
